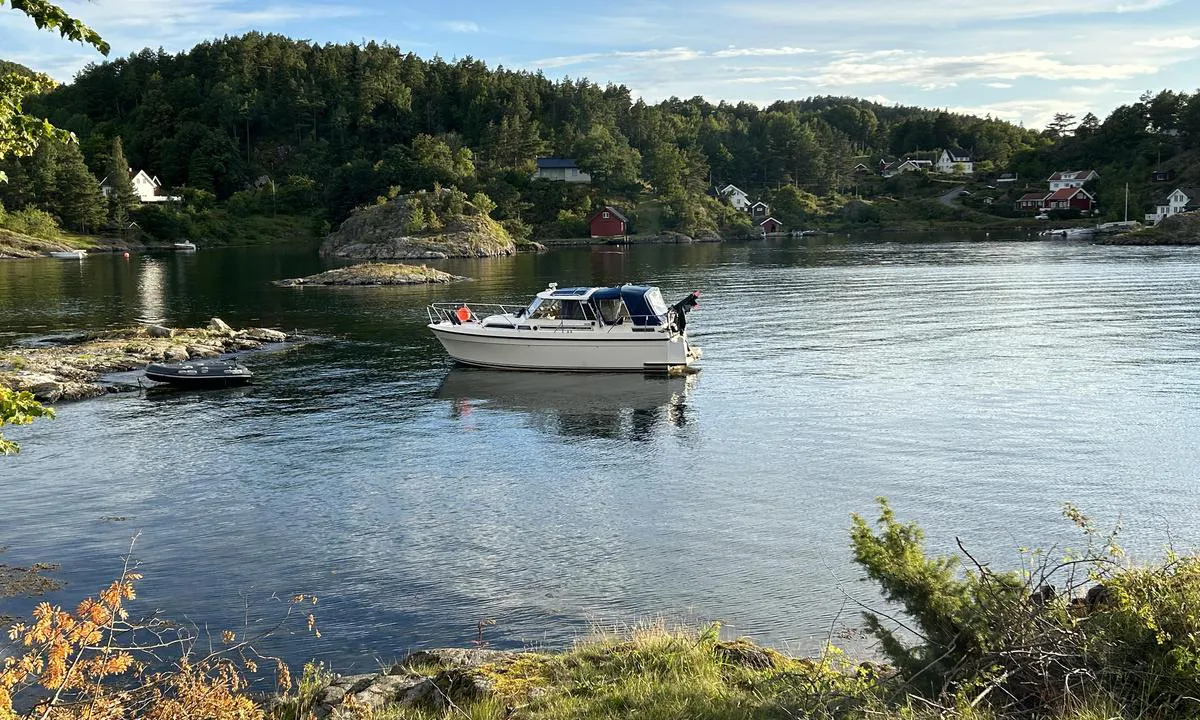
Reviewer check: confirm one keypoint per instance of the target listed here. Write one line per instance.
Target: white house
(955, 161)
(148, 188)
(561, 170)
(1180, 200)
(735, 196)
(906, 165)
(1071, 179)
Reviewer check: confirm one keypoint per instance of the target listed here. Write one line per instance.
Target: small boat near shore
(214, 373)
(69, 254)
(628, 328)
(185, 246)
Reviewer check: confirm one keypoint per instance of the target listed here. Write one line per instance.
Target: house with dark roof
(891, 169)
(955, 161)
(1071, 179)
(608, 222)
(735, 196)
(1159, 176)
(1179, 200)
(760, 210)
(1032, 201)
(560, 170)
(1070, 198)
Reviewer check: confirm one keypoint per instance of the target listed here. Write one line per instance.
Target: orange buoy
(126, 255)
(463, 314)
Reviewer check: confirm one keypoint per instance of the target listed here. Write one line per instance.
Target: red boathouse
(608, 222)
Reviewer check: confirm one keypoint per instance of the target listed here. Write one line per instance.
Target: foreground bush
(1092, 628)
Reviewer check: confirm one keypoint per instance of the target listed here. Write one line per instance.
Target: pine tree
(43, 167)
(121, 198)
(80, 203)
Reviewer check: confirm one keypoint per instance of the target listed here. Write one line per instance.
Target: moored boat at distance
(69, 254)
(200, 373)
(628, 328)
(185, 246)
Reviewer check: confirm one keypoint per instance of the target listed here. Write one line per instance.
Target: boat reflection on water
(628, 406)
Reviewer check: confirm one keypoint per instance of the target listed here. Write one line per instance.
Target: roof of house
(549, 163)
(760, 202)
(958, 154)
(1034, 196)
(612, 210)
(730, 188)
(1067, 193)
(1062, 175)
(1192, 194)
(133, 174)
(769, 219)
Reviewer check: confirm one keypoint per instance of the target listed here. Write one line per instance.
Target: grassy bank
(20, 245)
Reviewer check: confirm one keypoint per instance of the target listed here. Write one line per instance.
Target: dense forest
(262, 124)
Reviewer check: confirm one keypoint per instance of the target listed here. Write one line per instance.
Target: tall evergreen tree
(121, 198)
(80, 204)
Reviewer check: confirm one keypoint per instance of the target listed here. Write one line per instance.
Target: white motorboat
(69, 254)
(627, 328)
(185, 246)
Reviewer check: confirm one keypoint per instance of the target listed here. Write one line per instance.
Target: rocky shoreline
(73, 368)
(376, 274)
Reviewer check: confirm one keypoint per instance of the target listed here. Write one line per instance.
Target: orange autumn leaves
(64, 651)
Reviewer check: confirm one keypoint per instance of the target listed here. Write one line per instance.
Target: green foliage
(33, 222)
(18, 408)
(122, 201)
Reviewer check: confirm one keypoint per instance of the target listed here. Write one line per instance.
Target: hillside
(264, 124)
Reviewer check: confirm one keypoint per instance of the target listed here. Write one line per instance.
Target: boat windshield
(613, 311)
(654, 299)
(556, 309)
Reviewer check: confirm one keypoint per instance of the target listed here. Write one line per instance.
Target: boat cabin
(637, 305)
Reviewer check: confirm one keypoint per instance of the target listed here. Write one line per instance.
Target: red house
(770, 226)
(607, 222)
(1031, 202)
(1069, 198)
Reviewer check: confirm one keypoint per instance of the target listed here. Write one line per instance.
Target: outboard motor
(680, 310)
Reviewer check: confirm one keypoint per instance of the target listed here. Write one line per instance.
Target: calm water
(977, 385)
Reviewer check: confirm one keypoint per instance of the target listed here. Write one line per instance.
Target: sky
(1018, 60)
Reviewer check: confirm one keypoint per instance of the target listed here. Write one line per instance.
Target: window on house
(605, 215)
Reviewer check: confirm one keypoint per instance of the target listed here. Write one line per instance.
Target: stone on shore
(218, 325)
(267, 335)
(175, 354)
(158, 331)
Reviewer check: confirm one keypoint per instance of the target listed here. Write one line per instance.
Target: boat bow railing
(456, 313)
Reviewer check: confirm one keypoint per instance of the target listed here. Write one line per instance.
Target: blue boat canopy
(645, 304)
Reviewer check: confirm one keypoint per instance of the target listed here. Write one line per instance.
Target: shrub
(32, 221)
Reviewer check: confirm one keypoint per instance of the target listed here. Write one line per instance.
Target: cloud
(939, 71)
(930, 12)
(461, 26)
(999, 85)
(669, 55)
(732, 52)
(1178, 42)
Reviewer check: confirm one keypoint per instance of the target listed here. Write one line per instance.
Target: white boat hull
(575, 350)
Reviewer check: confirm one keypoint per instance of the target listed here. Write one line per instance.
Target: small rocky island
(376, 274)
(430, 225)
(71, 368)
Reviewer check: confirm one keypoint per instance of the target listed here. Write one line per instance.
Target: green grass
(655, 673)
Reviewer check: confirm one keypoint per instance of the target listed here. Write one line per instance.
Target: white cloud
(940, 71)
(930, 12)
(1178, 42)
(461, 26)
(732, 52)
(999, 85)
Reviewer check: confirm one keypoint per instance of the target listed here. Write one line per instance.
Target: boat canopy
(644, 304)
